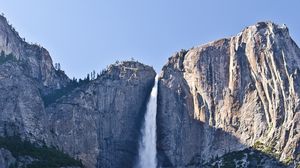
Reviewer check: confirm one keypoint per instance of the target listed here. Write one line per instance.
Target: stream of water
(147, 146)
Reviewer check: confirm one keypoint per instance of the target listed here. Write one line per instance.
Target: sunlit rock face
(228, 94)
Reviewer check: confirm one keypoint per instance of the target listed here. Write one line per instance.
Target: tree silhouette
(93, 75)
(57, 66)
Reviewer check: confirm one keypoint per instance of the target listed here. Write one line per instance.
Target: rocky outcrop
(34, 59)
(99, 123)
(21, 106)
(26, 73)
(229, 94)
(6, 158)
(244, 159)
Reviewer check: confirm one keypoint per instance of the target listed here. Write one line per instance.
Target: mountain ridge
(229, 96)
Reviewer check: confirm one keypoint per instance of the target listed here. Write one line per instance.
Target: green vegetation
(251, 156)
(258, 145)
(229, 159)
(288, 161)
(58, 93)
(5, 58)
(266, 149)
(47, 157)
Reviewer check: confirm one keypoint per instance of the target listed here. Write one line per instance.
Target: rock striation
(228, 95)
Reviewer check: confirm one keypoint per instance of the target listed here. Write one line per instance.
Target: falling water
(147, 148)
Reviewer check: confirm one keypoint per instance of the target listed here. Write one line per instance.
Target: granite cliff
(96, 122)
(100, 122)
(233, 102)
(229, 95)
(26, 72)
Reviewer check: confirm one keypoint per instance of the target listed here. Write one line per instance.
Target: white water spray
(147, 146)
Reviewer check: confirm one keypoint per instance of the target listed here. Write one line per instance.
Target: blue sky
(91, 34)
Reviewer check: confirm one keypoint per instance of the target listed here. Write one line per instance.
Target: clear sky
(86, 35)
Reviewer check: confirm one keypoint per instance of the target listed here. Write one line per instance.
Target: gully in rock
(147, 146)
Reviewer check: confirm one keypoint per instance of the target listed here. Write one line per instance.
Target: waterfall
(147, 145)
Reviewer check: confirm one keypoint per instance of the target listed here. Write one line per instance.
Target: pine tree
(2, 54)
(93, 75)
(88, 77)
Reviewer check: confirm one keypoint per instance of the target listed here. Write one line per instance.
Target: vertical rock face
(99, 123)
(228, 94)
(28, 74)
(21, 106)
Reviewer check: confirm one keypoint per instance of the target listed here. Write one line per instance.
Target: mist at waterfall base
(147, 145)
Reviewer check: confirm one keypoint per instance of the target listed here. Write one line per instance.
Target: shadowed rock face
(21, 107)
(97, 122)
(6, 158)
(228, 94)
(22, 80)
